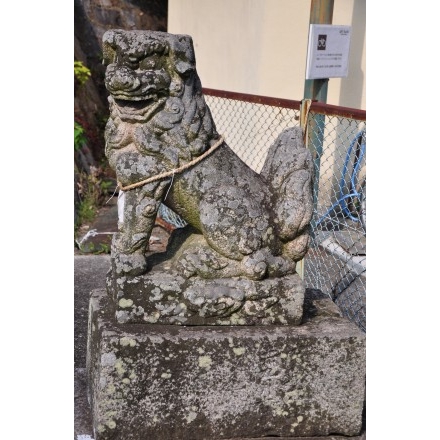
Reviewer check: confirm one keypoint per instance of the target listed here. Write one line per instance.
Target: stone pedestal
(167, 382)
(164, 295)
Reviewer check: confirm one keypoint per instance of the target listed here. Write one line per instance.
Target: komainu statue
(235, 261)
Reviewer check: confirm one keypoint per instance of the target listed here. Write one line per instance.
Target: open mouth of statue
(137, 108)
(136, 104)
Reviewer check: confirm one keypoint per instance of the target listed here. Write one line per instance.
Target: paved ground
(90, 273)
(91, 266)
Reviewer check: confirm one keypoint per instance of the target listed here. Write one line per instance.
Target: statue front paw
(129, 264)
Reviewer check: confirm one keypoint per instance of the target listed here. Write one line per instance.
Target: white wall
(260, 46)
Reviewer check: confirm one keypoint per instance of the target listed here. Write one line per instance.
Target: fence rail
(336, 136)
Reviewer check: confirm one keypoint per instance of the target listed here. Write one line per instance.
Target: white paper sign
(328, 50)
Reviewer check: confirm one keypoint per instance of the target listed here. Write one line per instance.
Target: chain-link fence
(336, 136)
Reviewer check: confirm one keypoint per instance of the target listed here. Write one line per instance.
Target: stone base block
(167, 382)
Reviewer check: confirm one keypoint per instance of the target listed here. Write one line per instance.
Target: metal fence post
(321, 12)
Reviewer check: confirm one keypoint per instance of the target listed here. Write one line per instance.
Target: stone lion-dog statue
(162, 142)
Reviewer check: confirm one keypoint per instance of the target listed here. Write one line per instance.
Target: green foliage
(90, 186)
(106, 185)
(91, 248)
(79, 137)
(81, 72)
(90, 195)
(103, 249)
(87, 210)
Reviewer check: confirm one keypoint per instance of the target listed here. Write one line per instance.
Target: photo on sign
(322, 39)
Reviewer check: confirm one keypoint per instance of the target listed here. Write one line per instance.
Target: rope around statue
(174, 171)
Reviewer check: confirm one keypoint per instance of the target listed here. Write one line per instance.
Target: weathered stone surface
(169, 382)
(165, 295)
(247, 225)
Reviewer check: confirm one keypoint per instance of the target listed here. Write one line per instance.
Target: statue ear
(108, 47)
(183, 54)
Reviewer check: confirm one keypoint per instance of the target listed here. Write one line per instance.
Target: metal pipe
(321, 12)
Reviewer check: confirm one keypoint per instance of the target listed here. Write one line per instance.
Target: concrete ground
(90, 273)
(91, 264)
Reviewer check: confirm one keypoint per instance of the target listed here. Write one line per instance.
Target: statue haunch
(243, 224)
